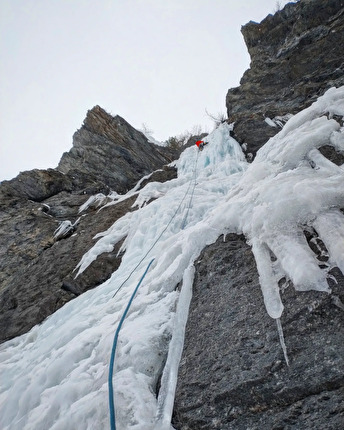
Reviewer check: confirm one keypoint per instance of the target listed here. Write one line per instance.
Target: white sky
(158, 62)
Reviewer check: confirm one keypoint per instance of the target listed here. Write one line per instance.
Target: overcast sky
(161, 63)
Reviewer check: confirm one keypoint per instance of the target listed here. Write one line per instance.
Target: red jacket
(199, 142)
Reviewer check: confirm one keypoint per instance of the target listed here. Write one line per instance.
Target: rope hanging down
(168, 224)
(113, 352)
(192, 194)
(114, 345)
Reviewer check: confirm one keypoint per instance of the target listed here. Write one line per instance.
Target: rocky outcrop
(109, 150)
(296, 55)
(233, 374)
(36, 268)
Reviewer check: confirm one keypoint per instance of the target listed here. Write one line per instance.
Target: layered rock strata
(108, 149)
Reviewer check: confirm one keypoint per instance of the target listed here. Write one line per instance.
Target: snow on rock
(278, 121)
(96, 201)
(65, 228)
(55, 376)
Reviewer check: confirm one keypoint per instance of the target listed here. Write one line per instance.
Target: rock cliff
(233, 374)
(296, 55)
(36, 265)
(110, 151)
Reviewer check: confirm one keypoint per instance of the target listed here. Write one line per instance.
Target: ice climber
(201, 144)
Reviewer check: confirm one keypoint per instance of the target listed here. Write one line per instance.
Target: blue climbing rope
(192, 194)
(113, 352)
(168, 224)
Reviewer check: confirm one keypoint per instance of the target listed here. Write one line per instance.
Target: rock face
(36, 269)
(296, 55)
(233, 374)
(111, 151)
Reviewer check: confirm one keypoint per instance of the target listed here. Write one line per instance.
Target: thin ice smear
(282, 342)
(170, 373)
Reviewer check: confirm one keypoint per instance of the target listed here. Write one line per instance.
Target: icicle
(337, 302)
(281, 337)
(170, 373)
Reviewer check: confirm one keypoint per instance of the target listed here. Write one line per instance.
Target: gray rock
(111, 151)
(36, 269)
(36, 185)
(41, 277)
(233, 374)
(296, 55)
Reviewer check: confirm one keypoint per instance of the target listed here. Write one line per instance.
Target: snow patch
(278, 121)
(65, 228)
